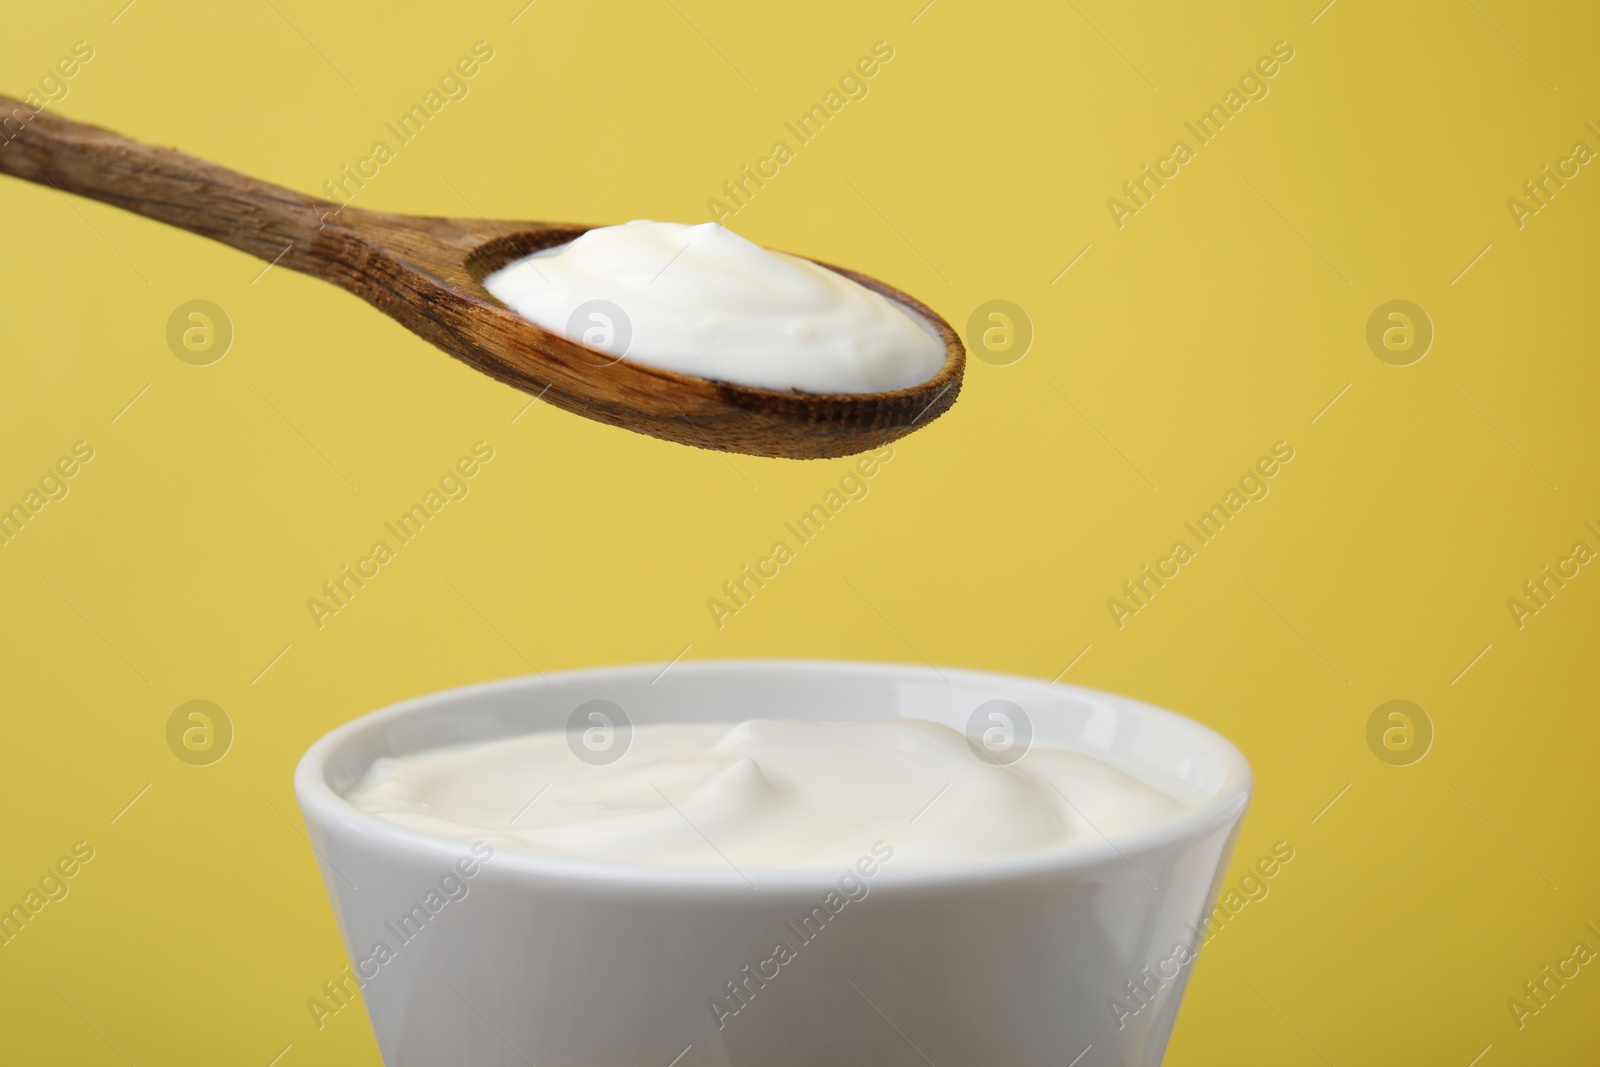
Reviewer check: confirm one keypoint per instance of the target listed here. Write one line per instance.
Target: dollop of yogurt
(762, 795)
(703, 301)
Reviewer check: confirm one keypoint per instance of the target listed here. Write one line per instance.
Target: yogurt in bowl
(770, 862)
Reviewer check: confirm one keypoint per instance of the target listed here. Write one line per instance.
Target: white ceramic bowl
(559, 963)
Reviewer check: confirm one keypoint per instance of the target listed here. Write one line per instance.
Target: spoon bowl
(427, 274)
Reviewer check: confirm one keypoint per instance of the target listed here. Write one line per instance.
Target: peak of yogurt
(701, 300)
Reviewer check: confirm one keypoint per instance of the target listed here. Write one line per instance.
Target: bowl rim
(325, 809)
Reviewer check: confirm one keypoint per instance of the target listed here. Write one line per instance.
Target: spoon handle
(265, 220)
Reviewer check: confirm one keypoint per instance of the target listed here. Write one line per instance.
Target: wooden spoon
(427, 272)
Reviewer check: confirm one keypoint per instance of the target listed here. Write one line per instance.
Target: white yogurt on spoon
(703, 301)
(764, 794)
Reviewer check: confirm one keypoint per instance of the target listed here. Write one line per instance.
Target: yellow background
(1222, 318)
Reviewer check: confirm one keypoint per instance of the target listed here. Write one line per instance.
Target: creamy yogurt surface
(762, 794)
(703, 301)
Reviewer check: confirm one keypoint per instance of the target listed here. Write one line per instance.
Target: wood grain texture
(426, 273)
